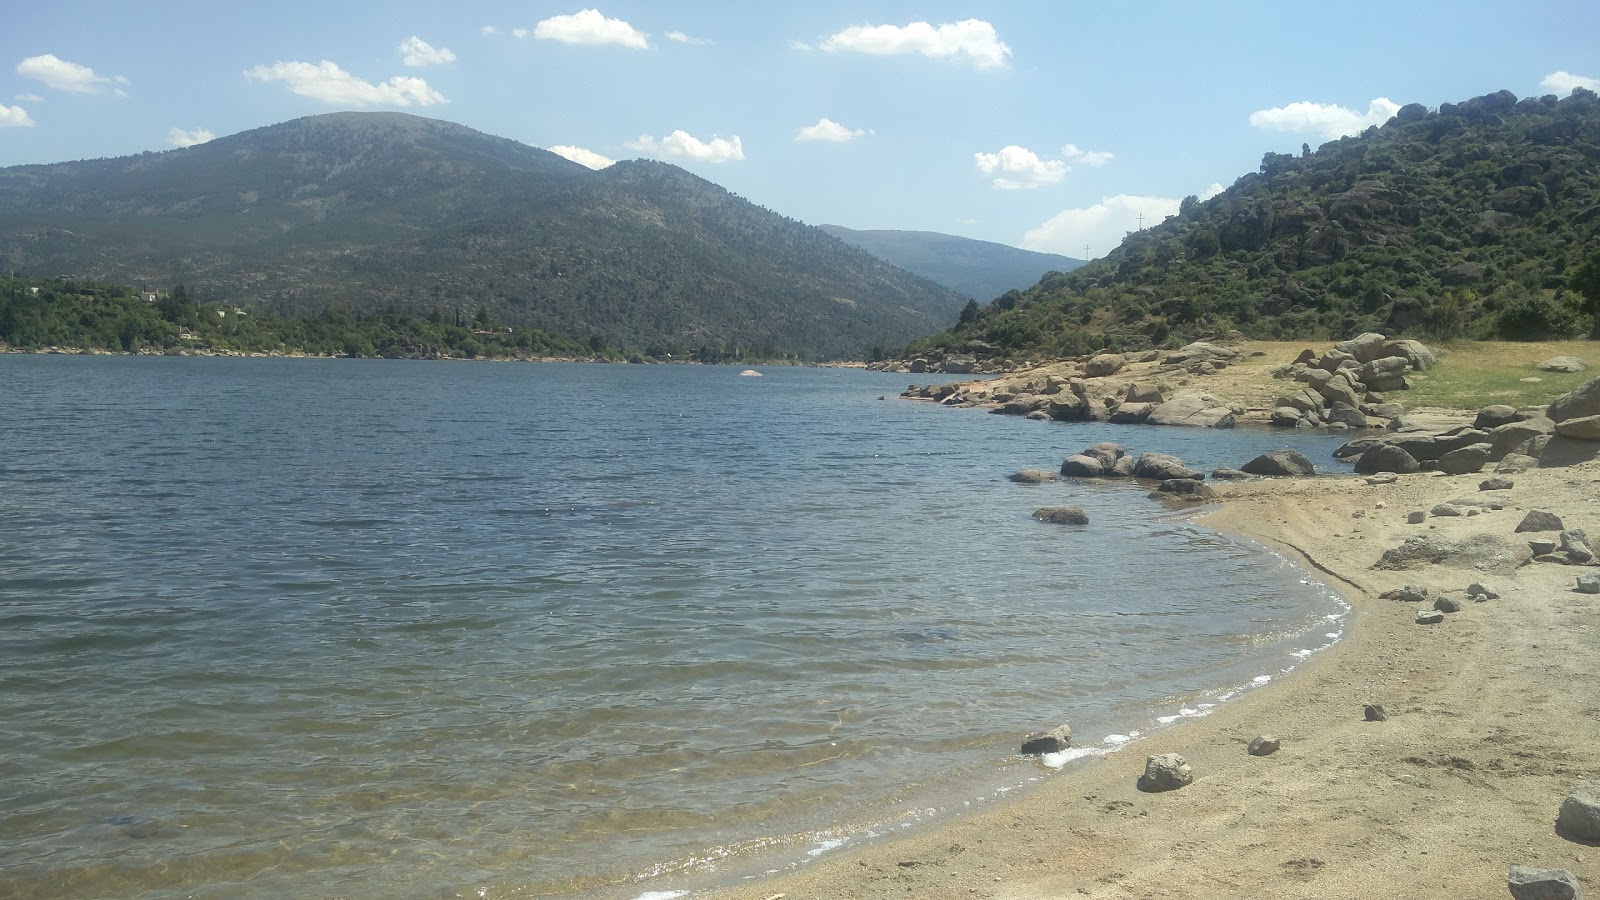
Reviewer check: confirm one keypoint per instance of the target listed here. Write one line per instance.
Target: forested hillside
(979, 269)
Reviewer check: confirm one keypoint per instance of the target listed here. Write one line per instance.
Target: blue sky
(1048, 125)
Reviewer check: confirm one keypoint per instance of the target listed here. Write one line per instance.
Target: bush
(1537, 319)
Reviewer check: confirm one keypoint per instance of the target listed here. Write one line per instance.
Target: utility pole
(1141, 221)
(1085, 252)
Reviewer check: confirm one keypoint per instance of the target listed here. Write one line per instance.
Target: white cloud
(1326, 119)
(327, 82)
(682, 145)
(1212, 191)
(1563, 82)
(177, 137)
(590, 27)
(802, 46)
(1101, 226)
(68, 76)
(415, 51)
(682, 38)
(1018, 168)
(30, 98)
(14, 117)
(972, 40)
(582, 157)
(488, 29)
(1094, 158)
(827, 129)
(519, 33)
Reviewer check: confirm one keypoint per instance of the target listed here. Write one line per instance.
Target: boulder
(1542, 547)
(1139, 392)
(1264, 745)
(1342, 413)
(1579, 818)
(1062, 515)
(1165, 772)
(1374, 712)
(1539, 520)
(1364, 347)
(1104, 364)
(1447, 605)
(1067, 407)
(1588, 584)
(1195, 408)
(1516, 462)
(1280, 463)
(1286, 416)
(1411, 593)
(1386, 458)
(1445, 509)
(1383, 478)
(1582, 428)
(1341, 389)
(1491, 417)
(1131, 413)
(1568, 365)
(1430, 617)
(1575, 544)
(1526, 883)
(1335, 359)
(1423, 549)
(1581, 401)
(1187, 488)
(1416, 517)
(1032, 476)
(1478, 590)
(1122, 468)
(1496, 484)
(1420, 358)
(1466, 460)
(1106, 452)
(1521, 437)
(1384, 410)
(1163, 467)
(1055, 740)
(1082, 465)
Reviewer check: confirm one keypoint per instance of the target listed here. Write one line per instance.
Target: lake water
(435, 629)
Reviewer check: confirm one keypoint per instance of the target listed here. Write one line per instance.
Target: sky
(1054, 126)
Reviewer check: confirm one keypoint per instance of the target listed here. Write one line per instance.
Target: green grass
(1474, 374)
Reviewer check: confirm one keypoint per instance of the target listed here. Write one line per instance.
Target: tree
(1586, 281)
(969, 313)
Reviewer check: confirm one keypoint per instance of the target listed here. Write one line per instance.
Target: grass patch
(1475, 374)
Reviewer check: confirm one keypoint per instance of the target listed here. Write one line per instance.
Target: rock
(1383, 478)
(1496, 484)
(1582, 428)
(1280, 463)
(1581, 401)
(1539, 520)
(1144, 393)
(1285, 417)
(1163, 467)
(1569, 365)
(1264, 745)
(1416, 517)
(1445, 509)
(1165, 772)
(1579, 818)
(1575, 544)
(1194, 408)
(1122, 468)
(1104, 364)
(1386, 458)
(1364, 347)
(1106, 452)
(1081, 465)
(1542, 548)
(1374, 712)
(1521, 437)
(1588, 584)
(1341, 413)
(1494, 416)
(1516, 462)
(1067, 407)
(1422, 549)
(1062, 515)
(1055, 740)
(1226, 474)
(1420, 358)
(1447, 605)
(1481, 591)
(1527, 883)
(1131, 413)
(1187, 488)
(1032, 476)
(1411, 593)
(1430, 617)
(1341, 389)
(1385, 410)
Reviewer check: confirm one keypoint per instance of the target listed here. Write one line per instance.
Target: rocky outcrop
(1165, 772)
(1424, 549)
(1196, 408)
(1344, 383)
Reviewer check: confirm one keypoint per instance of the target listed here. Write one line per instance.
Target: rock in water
(1055, 740)
(1062, 515)
(1280, 463)
(1165, 772)
(1081, 465)
(1580, 814)
(1527, 883)
(1032, 476)
(1264, 745)
(1539, 520)
(1374, 712)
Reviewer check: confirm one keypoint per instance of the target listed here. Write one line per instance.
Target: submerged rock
(1032, 476)
(1055, 740)
(1062, 515)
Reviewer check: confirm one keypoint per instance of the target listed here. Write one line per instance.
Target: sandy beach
(1494, 717)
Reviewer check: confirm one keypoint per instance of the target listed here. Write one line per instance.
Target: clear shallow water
(432, 629)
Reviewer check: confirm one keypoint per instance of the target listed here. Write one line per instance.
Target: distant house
(149, 296)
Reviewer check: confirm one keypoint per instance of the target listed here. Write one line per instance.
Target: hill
(978, 269)
(1476, 219)
(386, 212)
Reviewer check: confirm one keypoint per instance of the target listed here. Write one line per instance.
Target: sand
(1494, 719)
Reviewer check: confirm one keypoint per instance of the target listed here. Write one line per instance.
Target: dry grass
(1475, 374)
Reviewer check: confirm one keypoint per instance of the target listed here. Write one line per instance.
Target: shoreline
(1493, 721)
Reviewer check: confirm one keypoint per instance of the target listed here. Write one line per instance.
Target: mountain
(979, 269)
(1476, 219)
(375, 212)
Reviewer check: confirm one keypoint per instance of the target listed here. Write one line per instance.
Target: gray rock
(1285, 417)
(1581, 401)
(1264, 745)
(1162, 467)
(1341, 413)
(1567, 365)
(1582, 428)
(1033, 476)
(1447, 605)
(1430, 617)
(1496, 484)
(1539, 520)
(1420, 358)
(1195, 408)
(1580, 814)
(1363, 347)
(1411, 593)
(1374, 712)
(1383, 478)
(1516, 462)
(1165, 772)
(1481, 591)
(1130, 413)
(1416, 517)
(1081, 465)
(1466, 460)
(1520, 437)
(1104, 364)
(1107, 453)
(1575, 544)
(1123, 468)
(1062, 515)
(1588, 584)
(1445, 509)
(1055, 740)
(1226, 474)
(1187, 489)
(1280, 463)
(1527, 883)
(1386, 458)
(1422, 549)
(1145, 393)
(1494, 416)
(1542, 547)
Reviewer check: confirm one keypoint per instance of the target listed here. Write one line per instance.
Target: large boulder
(1107, 453)
(1067, 407)
(1131, 413)
(1526, 883)
(1521, 437)
(1082, 465)
(1468, 459)
(1281, 463)
(1340, 389)
(1140, 392)
(1195, 408)
(1386, 458)
(1062, 515)
(1104, 364)
(1579, 818)
(1421, 358)
(1163, 467)
(1582, 428)
(1165, 772)
(1581, 401)
(1364, 347)
(1342, 413)
(1539, 520)
(1492, 417)
(1032, 476)
(1185, 489)
(1569, 365)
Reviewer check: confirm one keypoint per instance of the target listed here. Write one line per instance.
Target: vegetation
(980, 269)
(1475, 374)
(386, 214)
(1475, 220)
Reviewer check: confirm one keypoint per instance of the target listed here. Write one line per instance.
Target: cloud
(1563, 82)
(581, 156)
(327, 82)
(1212, 191)
(1326, 119)
(1093, 158)
(970, 40)
(488, 29)
(682, 145)
(1101, 226)
(682, 38)
(14, 117)
(30, 98)
(827, 129)
(1018, 168)
(590, 27)
(415, 51)
(519, 33)
(177, 137)
(68, 76)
